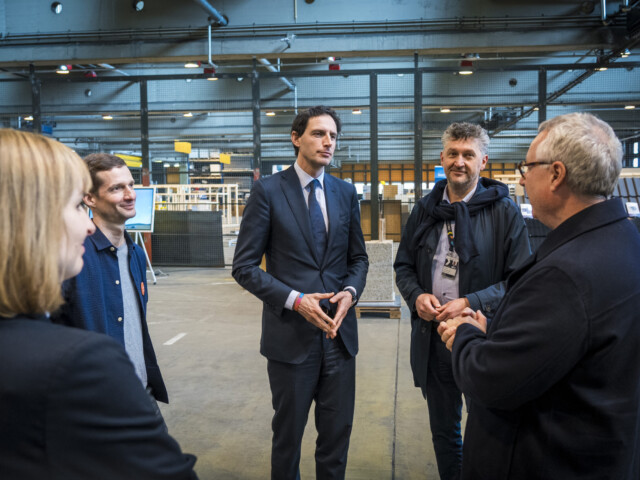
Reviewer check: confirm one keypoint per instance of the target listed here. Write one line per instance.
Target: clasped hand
(447, 329)
(429, 308)
(311, 310)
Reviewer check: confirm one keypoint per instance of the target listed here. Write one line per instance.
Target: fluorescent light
(602, 69)
(29, 118)
(536, 109)
(188, 114)
(166, 165)
(191, 64)
(270, 114)
(107, 117)
(626, 107)
(212, 79)
(177, 165)
(466, 67)
(356, 111)
(445, 110)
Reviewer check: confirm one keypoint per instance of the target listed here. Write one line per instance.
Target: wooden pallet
(393, 312)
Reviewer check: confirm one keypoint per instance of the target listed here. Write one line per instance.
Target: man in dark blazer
(554, 380)
(307, 223)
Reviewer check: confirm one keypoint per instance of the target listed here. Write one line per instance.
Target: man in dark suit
(554, 379)
(307, 223)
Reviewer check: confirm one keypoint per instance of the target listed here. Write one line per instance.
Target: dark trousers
(444, 400)
(327, 376)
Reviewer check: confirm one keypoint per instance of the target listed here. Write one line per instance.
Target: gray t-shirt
(132, 321)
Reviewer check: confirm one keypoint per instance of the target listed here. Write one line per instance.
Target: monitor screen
(145, 211)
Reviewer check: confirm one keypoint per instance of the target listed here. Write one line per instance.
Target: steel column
(255, 105)
(542, 95)
(375, 207)
(418, 128)
(36, 111)
(144, 133)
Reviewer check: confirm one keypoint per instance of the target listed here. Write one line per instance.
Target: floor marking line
(174, 339)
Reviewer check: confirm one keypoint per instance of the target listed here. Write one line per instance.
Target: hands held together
(447, 329)
(309, 307)
(450, 315)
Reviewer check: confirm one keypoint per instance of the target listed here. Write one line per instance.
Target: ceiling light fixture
(356, 111)
(107, 117)
(445, 110)
(63, 69)
(138, 5)
(56, 7)
(626, 107)
(625, 53)
(188, 114)
(191, 64)
(601, 69)
(210, 73)
(270, 114)
(466, 67)
(29, 118)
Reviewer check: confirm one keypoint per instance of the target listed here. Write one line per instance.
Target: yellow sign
(225, 158)
(182, 147)
(132, 161)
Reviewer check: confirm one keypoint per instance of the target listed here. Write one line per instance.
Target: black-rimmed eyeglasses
(524, 167)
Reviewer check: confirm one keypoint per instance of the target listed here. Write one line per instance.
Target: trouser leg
(292, 390)
(444, 400)
(334, 410)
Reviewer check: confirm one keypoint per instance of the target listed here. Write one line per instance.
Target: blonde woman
(71, 405)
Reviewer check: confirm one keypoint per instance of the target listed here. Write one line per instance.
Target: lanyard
(450, 235)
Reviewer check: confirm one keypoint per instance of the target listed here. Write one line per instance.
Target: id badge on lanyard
(451, 261)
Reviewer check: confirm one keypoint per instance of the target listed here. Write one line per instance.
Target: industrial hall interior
(201, 102)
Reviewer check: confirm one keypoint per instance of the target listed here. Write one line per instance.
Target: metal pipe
(210, 61)
(603, 13)
(220, 20)
(111, 67)
(271, 68)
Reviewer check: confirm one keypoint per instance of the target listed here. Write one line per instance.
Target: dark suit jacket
(554, 386)
(276, 223)
(72, 408)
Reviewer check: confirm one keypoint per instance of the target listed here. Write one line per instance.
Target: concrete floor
(220, 400)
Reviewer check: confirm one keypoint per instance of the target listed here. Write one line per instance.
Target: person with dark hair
(110, 293)
(460, 243)
(554, 377)
(307, 223)
(71, 405)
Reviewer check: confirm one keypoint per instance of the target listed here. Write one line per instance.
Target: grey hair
(463, 131)
(588, 148)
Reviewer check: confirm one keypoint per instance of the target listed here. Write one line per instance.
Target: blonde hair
(37, 178)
